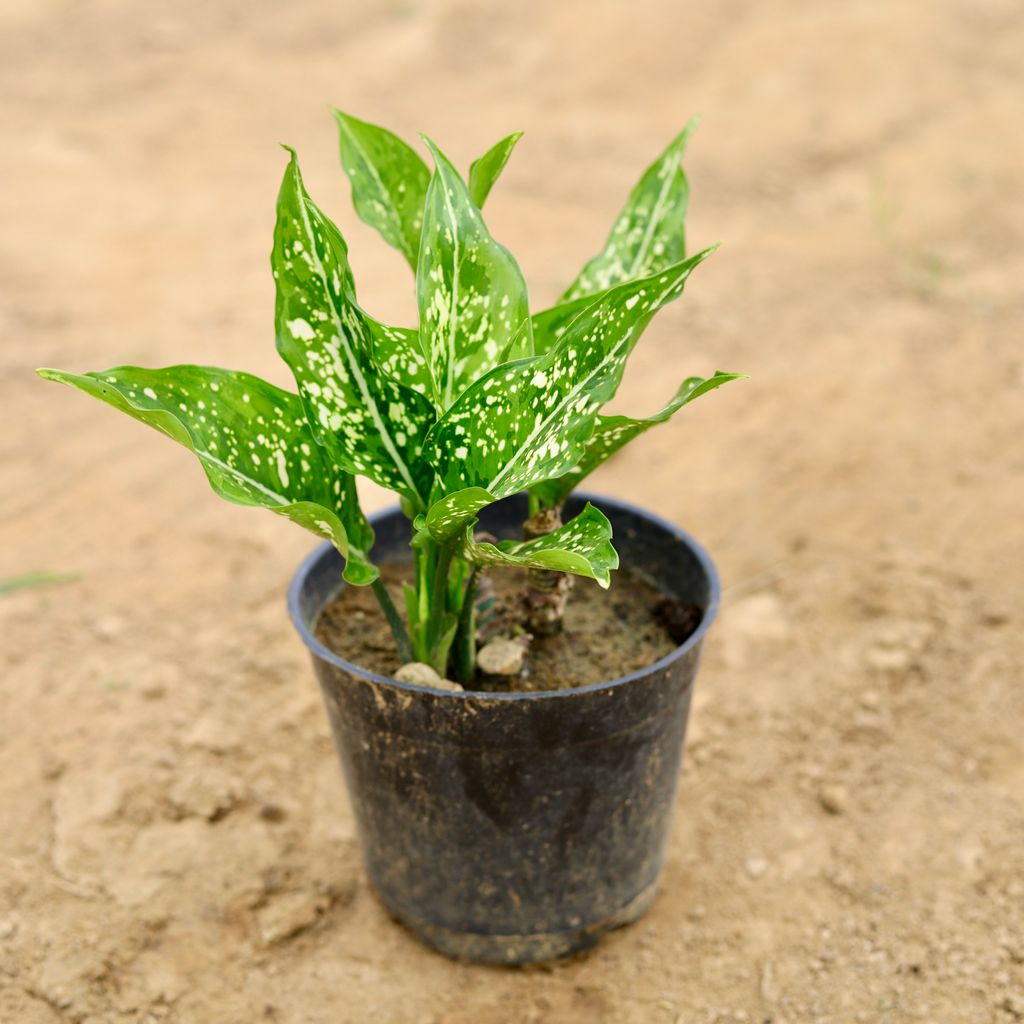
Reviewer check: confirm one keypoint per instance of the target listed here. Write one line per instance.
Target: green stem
(532, 504)
(465, 635)
(438, 601)
(398, 630)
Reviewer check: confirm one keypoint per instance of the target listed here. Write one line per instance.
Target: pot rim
(695, 638)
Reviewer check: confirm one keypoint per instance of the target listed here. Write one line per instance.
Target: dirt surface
(606, 633)
(848, 846)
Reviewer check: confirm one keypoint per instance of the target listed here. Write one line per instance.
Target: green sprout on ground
(482, 401)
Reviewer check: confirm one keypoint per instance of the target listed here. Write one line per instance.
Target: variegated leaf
(396, 351)
(483, 173)
(449, 515)
(549, 324)
(471, 293)
(252, 440)
(389, 182)
(613, 432)
(527, 421)
(649, 233)
(582, 546)
(370, 423)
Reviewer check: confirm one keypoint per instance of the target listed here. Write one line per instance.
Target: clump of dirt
(607, 633)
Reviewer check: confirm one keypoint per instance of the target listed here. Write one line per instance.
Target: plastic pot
(514, 827)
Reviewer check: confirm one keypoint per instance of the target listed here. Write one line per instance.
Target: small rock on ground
(833, 799)
(501, 657)
(756, 866)
(416, 673)
(288, 915)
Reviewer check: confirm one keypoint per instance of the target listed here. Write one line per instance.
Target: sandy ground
(849, 841)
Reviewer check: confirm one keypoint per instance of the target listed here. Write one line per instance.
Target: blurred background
(849, 840)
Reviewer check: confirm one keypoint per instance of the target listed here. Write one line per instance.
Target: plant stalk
(547, 591)
(398, 630)
(465, 634)
(438, 602)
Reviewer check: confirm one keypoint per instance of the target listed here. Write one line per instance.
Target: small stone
(109, 627)
(289, 915)
(416, 673)
(8, 927)
(888, 659)
(52, 767)
(448, 684)
(210, 733)
(204, 793)
(833, 799)
(501, 657)
(871, 700)
(160, 679)
(755, 866)
(272, 813)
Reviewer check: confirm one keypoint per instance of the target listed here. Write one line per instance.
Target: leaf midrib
(652, 220)
(357, 374)
(570, 394)
(392, 209)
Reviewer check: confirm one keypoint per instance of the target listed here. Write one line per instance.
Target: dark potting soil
(607, 633)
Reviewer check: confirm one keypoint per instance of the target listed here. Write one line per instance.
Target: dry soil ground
(849, 838)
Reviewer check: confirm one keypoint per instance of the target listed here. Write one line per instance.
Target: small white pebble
(756, 866)
(501, 657)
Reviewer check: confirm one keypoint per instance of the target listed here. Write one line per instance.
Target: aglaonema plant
(480, 402)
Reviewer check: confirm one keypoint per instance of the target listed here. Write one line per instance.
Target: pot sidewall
(515, 826)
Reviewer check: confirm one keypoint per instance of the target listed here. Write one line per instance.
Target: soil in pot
(607, 633)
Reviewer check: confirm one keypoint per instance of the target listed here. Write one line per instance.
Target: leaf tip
(346, 121)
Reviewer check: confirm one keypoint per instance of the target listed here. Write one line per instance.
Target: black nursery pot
(514, 827)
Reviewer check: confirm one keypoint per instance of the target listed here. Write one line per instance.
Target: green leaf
(483, 173)
(396, 350)
(371, 424)
(30, 580)
(449, 516)
(252, 440)
(471, 293)
(648, 236)
(649, 233)
(613, 432)
(582, 546)
(528, 420)
(549, 324)
(389, 182)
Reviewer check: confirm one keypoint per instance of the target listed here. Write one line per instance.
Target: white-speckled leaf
(450, 514)
(471, 293)
(649, 234)
(582, 546)
(549, 324)
(528, 420)
(370, 423)
(252, 440)
(613, 432)
(389, 182)
(483, 173)
(396, 351)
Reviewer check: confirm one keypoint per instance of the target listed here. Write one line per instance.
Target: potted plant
(512, 803)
